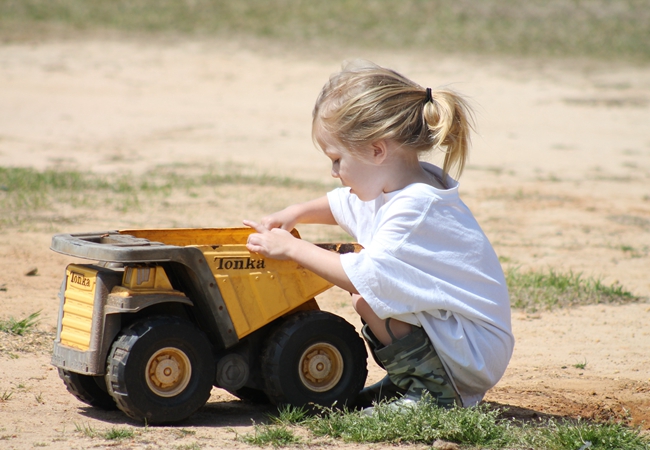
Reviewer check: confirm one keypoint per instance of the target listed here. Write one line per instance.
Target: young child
(427, 283)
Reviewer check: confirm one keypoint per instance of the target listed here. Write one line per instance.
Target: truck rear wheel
(160, 370)
(314, 357)
(88, 389)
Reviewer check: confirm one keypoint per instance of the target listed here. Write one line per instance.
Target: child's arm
(278, 243)
(313, 211)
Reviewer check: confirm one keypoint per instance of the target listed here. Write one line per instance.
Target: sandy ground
(559, 177)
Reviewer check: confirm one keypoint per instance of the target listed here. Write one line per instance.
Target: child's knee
(362, 307)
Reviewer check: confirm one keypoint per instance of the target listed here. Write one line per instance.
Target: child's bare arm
(313, 211)
(278, 243)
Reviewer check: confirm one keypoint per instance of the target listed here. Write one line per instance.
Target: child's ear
(379, 151)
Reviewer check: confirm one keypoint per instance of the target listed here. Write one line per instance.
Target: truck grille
(76, 323)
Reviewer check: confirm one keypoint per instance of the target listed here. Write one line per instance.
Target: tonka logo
(238, 263)
(79, 280)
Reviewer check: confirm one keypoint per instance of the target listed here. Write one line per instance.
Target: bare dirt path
(559, 177)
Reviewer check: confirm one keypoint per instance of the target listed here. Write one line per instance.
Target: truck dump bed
(251, 289)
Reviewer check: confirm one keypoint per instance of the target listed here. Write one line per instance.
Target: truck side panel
(257, 290)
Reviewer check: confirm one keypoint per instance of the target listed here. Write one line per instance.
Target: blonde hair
(366, 103)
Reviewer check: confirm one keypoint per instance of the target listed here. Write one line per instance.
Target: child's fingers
(270, 222)
(256, 226)
(255, 243)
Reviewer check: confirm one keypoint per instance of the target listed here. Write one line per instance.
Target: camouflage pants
(414, 366)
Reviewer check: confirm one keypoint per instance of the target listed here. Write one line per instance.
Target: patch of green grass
(534, 291)
(424, 423)
(20, 327)
(634, 252)
(598, 28)
(26, 179)
(87, 430)
(581, 365)
(27, 191)
(290, 415)
(481, 427)
(588, 436)
(114, 434)
(270, 435)
(119, 434)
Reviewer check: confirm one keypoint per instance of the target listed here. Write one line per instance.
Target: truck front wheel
(314, 357)
(88, 388)
(160, 370)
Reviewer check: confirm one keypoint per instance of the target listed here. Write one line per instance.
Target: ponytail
(449, 118)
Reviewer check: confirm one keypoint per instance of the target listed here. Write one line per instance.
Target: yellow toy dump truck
(166, 314)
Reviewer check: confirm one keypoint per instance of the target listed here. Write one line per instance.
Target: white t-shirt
(427, 262)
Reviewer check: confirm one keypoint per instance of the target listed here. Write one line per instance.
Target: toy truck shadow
(166, 314)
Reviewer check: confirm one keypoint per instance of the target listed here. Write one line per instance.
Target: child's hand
(284, 219)
(313, 211)
(273, 243)
(278, 243)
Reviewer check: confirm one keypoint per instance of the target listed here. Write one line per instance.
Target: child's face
(358, 172)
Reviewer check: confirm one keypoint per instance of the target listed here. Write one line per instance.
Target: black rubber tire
(335, 344)
(133, 374)
(89, 389)
(251, 395)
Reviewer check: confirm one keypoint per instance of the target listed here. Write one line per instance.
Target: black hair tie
(429, 96)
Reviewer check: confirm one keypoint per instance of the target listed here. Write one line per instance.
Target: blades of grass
(270, 435)
(86, 429)
(588, 435)
(290, 415)
(119, 434)
(423, 423)
(20, 327)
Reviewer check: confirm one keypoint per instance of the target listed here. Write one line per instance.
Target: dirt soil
(559, 178)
